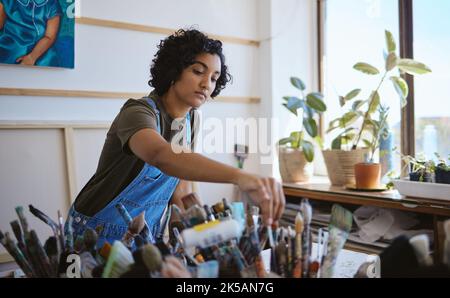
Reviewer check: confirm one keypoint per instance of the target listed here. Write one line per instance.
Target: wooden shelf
(437, 209)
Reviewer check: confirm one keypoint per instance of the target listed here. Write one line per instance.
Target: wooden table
(438, 209)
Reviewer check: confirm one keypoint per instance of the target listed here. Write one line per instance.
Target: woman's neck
(173, 106)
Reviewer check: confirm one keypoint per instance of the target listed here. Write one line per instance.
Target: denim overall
(150, 191)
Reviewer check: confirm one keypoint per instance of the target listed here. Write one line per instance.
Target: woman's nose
(205, 84)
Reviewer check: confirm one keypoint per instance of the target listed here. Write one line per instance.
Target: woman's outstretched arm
(150, 147)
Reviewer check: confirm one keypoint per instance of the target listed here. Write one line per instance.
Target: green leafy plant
(419, 165)
(309, 106)
(357, 123)
(379, 129)
(442, 164)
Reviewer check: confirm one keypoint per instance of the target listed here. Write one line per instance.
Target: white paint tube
(211, 233)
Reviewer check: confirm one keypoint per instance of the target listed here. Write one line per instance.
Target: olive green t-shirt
(118, 166)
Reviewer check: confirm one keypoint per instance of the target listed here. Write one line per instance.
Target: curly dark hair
(177, 52)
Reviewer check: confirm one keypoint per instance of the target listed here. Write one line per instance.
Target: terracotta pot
(293, 165)
(340, 164)
(367, 175)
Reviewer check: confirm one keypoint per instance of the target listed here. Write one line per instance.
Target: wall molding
(109, 95)
(68, 128)
(157, 30)
(6, 258)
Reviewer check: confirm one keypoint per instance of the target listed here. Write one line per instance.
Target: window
(432, 91)
(355, 32)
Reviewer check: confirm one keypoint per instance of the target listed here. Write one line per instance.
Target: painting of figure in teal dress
(37, 32)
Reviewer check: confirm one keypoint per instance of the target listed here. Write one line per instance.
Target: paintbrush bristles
(23, 220)
(152, 257)
(42, 216)
(299, 225)
(191, 200)
(341, 218)
(137, 224)
(17, 231)
(90, 238)
(306, 210)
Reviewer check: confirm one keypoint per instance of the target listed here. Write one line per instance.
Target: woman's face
(198, 80)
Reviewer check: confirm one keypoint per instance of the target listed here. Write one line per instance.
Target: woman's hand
(267, 193)
(26, 60)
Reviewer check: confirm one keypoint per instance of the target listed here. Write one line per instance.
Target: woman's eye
(197, 71)
(213, 80)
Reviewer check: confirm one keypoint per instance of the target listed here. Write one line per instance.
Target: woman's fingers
(281, 202)
(275, 198)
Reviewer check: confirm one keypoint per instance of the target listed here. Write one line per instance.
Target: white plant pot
(293, 165)
(340, 164)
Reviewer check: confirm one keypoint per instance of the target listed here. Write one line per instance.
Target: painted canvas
(37, 32)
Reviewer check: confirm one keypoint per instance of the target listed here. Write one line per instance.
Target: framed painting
(37, 32)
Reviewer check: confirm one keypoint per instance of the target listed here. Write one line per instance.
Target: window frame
(406, 38)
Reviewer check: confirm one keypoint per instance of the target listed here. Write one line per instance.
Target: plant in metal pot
(297, 150)
(442, 170)
(355, 126)
(420, 169)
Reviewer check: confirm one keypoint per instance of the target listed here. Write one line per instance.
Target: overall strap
(188, 128)
(152, 103)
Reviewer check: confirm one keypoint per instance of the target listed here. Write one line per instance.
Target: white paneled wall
(116, 60)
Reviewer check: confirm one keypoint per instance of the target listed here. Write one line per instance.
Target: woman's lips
(199, 94)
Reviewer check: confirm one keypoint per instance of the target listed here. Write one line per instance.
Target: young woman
(138, 166)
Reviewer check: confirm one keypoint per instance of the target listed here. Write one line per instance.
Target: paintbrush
(69, 235)
(218, 208)
(340, 225)
(306, 210)
(20, 239)
(90, 239)
(62, 241)
(105, 250)
(38, 251)
(152, 258)
(297, 268)
(14, 251)
(315, 264)
(45, 218)
(119, 261)
(209, 214)
(34, 260)
(196, 215)
(190, 200)
(23, 221)
(135, 226)
(164, 224)
(281, 256)
(145, 232)
(52, 224)
(51, 249)
(289, 252)
(124, 213)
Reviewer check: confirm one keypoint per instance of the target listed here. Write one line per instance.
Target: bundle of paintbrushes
(292, 254)
(53, 259)
(222, 240)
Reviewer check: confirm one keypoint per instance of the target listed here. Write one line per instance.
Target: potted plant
(442, 171)
(355, 137)
(420, 169)
(368, 174)
(296, 152)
